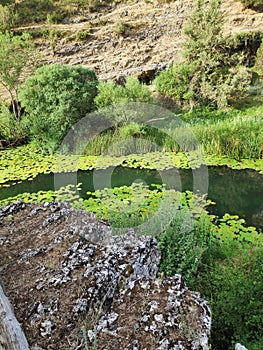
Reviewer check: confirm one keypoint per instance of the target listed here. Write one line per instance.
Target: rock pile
(74, 285)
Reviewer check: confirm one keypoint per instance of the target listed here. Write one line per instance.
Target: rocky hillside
(73, 284)
(137, 37)
(140, 33)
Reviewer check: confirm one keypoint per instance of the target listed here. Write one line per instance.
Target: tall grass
(238, 137)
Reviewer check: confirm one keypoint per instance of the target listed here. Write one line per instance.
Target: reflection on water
(238, 192)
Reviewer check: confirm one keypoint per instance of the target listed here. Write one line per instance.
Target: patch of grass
(238, 138)
(122, 28)
(33, 11)
(83, 34)
(54, 11)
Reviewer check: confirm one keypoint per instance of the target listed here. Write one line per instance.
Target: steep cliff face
(73, 284)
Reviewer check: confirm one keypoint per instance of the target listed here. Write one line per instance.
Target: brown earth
(137, 34)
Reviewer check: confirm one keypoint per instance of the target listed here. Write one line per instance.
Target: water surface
(237, 192)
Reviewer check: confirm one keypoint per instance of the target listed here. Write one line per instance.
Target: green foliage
(125, 206)
(111, 93)
(35, 11)
(121, 28)
(175, 82)
(207, 73)
(231, 228)
(55, 99)
(6, 18)
(52, 18)
(83, 34)
(26, 162)
(224, 263)
(183, 244)
(244, 44)
(28, 11)
(233, 285)
(238, 138)
(15, 53)
(67, 193)
(259, 60)
(11, 132)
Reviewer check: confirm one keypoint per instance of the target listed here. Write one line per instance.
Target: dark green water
(237, 192)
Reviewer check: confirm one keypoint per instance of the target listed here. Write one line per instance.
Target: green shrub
(183, 244)
(259, 60)
(55, 98)
(207, 73)
(83, 34)
(223, 261)
(234, 288)
(111, 93)
(11, 131)
(175, 83)
(53, 18)
(121, 28)
(29, 11)
(245, 45)
(6, 18)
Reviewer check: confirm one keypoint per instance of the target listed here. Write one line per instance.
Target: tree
(55, 98)
(207, 73)
(15, 53)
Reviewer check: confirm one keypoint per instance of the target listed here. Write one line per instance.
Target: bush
(111, 93)
(55, 98)
(29, 11)
(176, 83)
(207, 73)
(245, 45)
(11, 132)
(6, 18)
(234, 287)
(182, 246)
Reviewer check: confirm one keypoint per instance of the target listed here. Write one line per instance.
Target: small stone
(81, 306)
(158, 318)
(47, 328)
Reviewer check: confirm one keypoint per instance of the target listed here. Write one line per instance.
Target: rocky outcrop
(73, 284)
(145, 74)
(154, 314)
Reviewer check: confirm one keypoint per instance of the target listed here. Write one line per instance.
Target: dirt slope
(153, 35)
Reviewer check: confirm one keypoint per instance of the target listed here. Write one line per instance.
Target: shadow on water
(237, 192)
